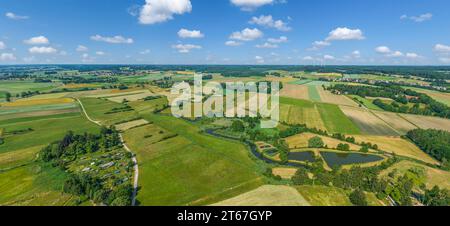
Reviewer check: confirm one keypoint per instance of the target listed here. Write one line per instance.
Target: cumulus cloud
(13, 16)
(250, 5)
(100, 53)
(442, 48)
(2, 45)
(445, 60)
(412, 55)
(418, 19)
(281, 39)
(308, 58)
(328, 57)
(268, 21)
(344, 33)
(247, 34)
(118, 39)
(185, 48)
(319, 45)
(82, 48)
(185, 33)
(38, 40)
(42, 50)
(7, 57)
(259, 59)
(233, 43)
(267, 46)
(356, 54)
(383, 49)
(158, 11)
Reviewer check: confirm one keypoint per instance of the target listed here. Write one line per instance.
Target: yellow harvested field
(27, 102)
(426, 122)
(47, 96)
(302, 115)
(285, 173)
(368, 122)
(295, 91)
(267, 195)
(77, 86)
(132, 124)
(131, 98)
(111, 93)
(398, 146)
(395, 121)
(433, 176)
(328, 97)
(14, 158)
(301, 141)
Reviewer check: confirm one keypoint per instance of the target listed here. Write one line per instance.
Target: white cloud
(412, 55)
(308, 58)
(2, 45)
(319, 45)
(383, 49)
(158, 11)
(185, 48)
(418, 19)
(113, 40)
(356, 54)
(85, 58)
(184, 33)
(395, 54)
(442, 48)
(344, 33)
(38, 40)
(267, 46)
(250, 5)
(259, 59)
(100, 53)
(445, 60)
(82, 48)
(233, 43)
(42, 50)
(145, 52)
(7, 57)
(328, 57)
(268, 21)
(281, 39)
(247, 34)
(13, 16)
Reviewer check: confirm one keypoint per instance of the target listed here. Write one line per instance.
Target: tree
(358, 198)
(436, 197)
(316, 142)
(343, 147)
(8, 97)
(238, 126)
(364, 149)
(301, 177)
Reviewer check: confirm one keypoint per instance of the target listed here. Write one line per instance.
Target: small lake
(340, 159)
(307, 156)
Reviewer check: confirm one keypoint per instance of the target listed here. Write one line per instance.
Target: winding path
(136, 167)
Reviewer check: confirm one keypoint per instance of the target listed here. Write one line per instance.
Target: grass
(316, 115)
(16, 87)
(33, 185)
(367, 103)
(313, 93)
(97, 109)
(43, 132)
(189, 168)
(433, 177)
(324, 196)
(268, 195)
(336, 121)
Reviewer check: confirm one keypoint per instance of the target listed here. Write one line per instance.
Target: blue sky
(368, 32)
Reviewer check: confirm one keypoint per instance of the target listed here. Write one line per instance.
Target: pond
(307, 156)
(340, 159)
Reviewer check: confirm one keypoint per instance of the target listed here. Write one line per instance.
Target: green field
(181, 166)
(98, 110)
(313, 93)
(317, 115)
(16, 87)
(367, 103)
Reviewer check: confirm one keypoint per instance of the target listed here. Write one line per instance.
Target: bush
(316, 142)
(358, 198)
